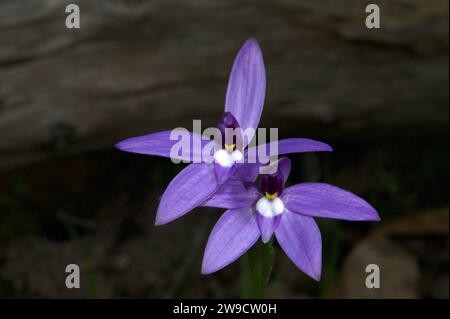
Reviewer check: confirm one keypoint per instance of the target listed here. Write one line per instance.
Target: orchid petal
(192, 186)
(223, 173)
(234, 233)
(284, 166)
(160, 144)
(246, 172)
(324, 200)
(286, 146)
(300, 239)
(247, 86)
(267, 226)
(233, 194)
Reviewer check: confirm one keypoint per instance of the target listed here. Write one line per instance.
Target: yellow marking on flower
(271, 196)
(230, 148)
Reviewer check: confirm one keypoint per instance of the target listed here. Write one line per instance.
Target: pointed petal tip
(376, 216)
(371, 214)
(121, 145)
(316, 276)
(160, 221)
(162, 217)
(206, 270)
(252, 42)
(265, 239)
(125, 146)
(314, 272)
(251, 47)
(130, 144)
(326, 147)
(209, 268)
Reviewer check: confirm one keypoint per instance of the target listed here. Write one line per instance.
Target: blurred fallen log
(140, 66)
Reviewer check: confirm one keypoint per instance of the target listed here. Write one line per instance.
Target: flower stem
(256, 270)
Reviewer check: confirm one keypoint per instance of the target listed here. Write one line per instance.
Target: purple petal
(224, 173)
(300, 239)
(286, 146)
(323, 200)
(246, 172)
(191, 187)
(235, 232)
(249, 172)
(160, 144)
(267, 226)
(247, 86)
(233, 194)
(284, 166)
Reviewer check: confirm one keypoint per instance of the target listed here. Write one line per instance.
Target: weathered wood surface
(141, 66)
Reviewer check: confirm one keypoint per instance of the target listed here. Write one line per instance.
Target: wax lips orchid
(260, 210)
(243, 107)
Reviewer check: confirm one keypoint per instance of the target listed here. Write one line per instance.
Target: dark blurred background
(378, 96)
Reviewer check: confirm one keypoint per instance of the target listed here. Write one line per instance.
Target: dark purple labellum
(271, 185)
(229, 140)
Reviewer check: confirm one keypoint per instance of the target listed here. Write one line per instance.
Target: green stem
(256, 269)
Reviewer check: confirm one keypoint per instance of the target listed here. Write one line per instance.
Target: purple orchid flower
(243, 107)
(268, 208)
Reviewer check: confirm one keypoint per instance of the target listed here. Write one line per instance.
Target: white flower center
(270, 208)
(227, 159)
